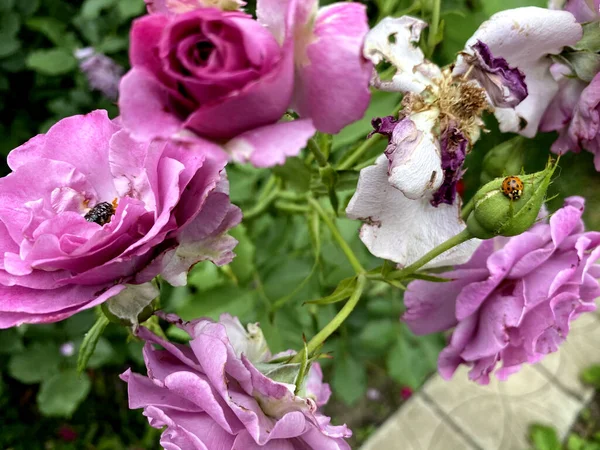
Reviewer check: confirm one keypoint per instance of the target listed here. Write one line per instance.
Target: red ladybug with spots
(512, 187)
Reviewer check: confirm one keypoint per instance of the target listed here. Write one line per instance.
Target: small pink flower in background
(224, 76)
(87, 211)
(67, 349)
(513, 302)
(67, 433)
(102, 72)
(406, 392)
(211, 393)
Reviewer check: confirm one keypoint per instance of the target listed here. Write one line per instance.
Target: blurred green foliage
(285, 256)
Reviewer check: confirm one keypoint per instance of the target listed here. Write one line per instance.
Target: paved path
(461, 415)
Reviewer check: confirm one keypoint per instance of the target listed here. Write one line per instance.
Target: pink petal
(270, 145)
(332, 76)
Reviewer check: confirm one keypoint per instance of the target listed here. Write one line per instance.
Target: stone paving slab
(405, 430)
(460, 414)
(579, 351)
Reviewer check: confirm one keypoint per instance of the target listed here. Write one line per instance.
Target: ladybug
(101, 213)
(512, 187)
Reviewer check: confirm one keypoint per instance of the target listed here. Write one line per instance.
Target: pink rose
(87, 212)
(226, 77)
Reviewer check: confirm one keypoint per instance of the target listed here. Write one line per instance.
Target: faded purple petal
(414, 156)
(526, 38)
(453, 144)
(504, 84)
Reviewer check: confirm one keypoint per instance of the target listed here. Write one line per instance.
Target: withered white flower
(409, 203)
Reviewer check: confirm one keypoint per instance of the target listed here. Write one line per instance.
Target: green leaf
(60, 395)
(214, 302)
(11, 341)
(343, 290)
(50, 27)
(132, 305)
(38, 362)
(103, 354)
(243, 265)
(295, 174)
(28, 7)
(544, 438)
(411, 360)
(382, 104)
(591, 376)
(9, 25)
(56, 61)
(90, 340)
(8, 46)
(591, 37)
(379, 335)
(91, 8)
(129, 9)
(585, 64)
(349, 378)
(113, 44)
(493, 6)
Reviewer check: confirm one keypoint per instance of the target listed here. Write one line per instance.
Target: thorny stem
(335, 323)
(337, 236)
(316, 150)
(461, 237)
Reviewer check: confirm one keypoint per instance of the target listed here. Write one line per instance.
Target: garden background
(282, 257)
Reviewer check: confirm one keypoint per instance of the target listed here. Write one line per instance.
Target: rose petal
(332, 76)
(525, 37)
(400, 229)
(396, 40)
(272, 144)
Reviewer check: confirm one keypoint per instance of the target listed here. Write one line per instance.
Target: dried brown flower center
(462, 100)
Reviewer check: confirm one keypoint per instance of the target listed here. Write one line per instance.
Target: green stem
(461, 237)
(337, 236)
(360, 150)
(268, 188)
(433, 28)
(291, 207)
(262, 205)
(335, 323)
(316, 150)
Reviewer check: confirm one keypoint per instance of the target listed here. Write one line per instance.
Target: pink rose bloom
(87, 211)
(212, 393)
(513, 302)
(224, 76)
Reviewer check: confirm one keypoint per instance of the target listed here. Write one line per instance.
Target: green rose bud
(503, 159)
(495, 214)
